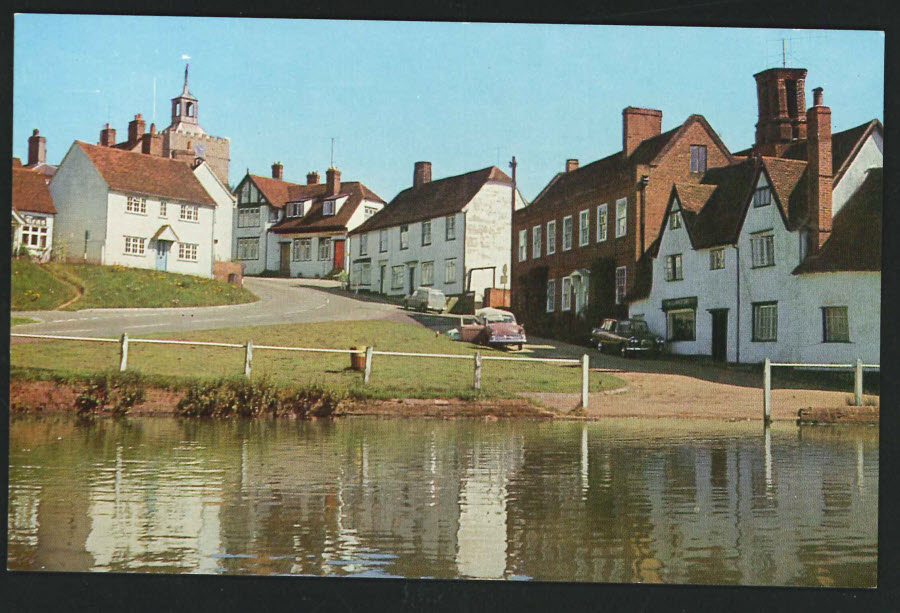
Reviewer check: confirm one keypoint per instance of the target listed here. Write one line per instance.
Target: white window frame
(397, 276)
(325, 243)
(566, 294)
(34, 236)
(535, 242)
(301, 250)
(523, 245)
(765, 322)
(134, 245)
(551, 295)
(248, 248)
(449, 271)
(404, 237)
(762, 249)
(382, 241)
(450, 228)
(762, 196)
(567, 244)
(551, 237)
(670, 327)
(426, 233)
(328, 207)
(248, 217)
(621, 217)
(675, 220)
(369, 211)
(136, 205)
(717, 262)
(621, 284)
(428, 273)
(187, 252)
(674, 267)
(295, 209)
(163, 209)
(836, 321)
(602, 223)
(189, 212)
(365, 274)
(584, 228)
(363, 244)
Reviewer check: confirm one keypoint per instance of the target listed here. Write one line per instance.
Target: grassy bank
(33, 288)
(18, 321)
(392, 377)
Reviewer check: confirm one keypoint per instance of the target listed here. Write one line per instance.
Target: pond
(671, 501)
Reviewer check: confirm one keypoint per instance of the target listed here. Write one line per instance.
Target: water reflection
(614, 501)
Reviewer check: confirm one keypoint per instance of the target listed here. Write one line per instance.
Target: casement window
(620, 285)
(397, 277)
(324, 249)
(301, 249)
(163, 209)
(404, 237)
(328, 207)
(450, 228)
(426, 233)
(383, 241)
(365, 274)
(34, 236)
(698, 158)
(835, 325)
(295, 209)
(187, 252)
(551, 237)
(248, 217)
(804, 244)
(673, 268)
(584, 226)
(567, 233)
(273, 214)
(717, 259)
(762, 249)
(363, 244)
(681, 325)
(427, 273)
(765, 322)
(248, 248)
(535, 242)
(369, 211)
(136, 205)
(551, 295)
(189, 212)
(762, 196)
(134, 245)
(621, 217)
(566, 294)
(602, 223)
(450, 271)
(675, 220)
(523, 245)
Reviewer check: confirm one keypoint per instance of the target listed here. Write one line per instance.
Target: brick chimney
(37, 148)
(781, 102)
(638, 125)
(421, 174)
(277, 171)
(135, 129)
(151, 143)
(107, 136)
(312, 178)
(332, 181)
(571, 164)
(819, 182)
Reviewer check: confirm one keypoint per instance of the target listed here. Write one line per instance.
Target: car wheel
(623, 351)
(519, 347)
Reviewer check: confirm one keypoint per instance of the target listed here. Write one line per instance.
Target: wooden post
(123, 352)
(477, 383)
(858, 383)
(585, 370)
(767, 391)
(368, 369)
(248, 358)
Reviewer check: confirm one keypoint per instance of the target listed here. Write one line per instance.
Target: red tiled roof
(146, 174)
(313, 219)
(433, 199)
(30, 192)
(17, 163)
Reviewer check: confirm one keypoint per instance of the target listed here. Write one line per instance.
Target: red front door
(339, 254)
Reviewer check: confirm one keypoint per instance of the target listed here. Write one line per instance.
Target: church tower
(184, 109)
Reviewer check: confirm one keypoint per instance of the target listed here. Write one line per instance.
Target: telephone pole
(513, 165)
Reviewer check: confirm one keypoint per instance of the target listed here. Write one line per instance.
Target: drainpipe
(737, 313)
(642, 184)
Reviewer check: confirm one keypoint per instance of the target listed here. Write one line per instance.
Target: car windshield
(496, 318)
(640, 327)
(608, 325)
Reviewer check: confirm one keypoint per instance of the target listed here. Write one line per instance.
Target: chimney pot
(571, 164)
(312, 178)
(37, 148)
(277, 171)
(421, 173)
(35, 132)
(152, 128)
(817, 97)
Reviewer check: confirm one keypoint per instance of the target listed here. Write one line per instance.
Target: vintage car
(425, 299)
(493, 327)
(627, 337)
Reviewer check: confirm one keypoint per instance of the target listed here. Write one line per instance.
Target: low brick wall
(496, 297)
(229, 272)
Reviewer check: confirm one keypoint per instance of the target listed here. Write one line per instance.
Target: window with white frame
(397, 277)
(301, 249)
(34, 236)
(273, 214)
(248, 217)
(673, 267)
(698, 158)
(163, 209)
(835, 325)
(187, 252)
(134, 245)
(324, 249)
(602, 223)
(427, 273)
(536, 242)
(762, 249)
(328, 207)
(450, 228)
(681, 325)
(363, 244)
(584, 223)
(567, 233)
(620, 285)
(675, 220)
(566, 294)
(426, 233)
(295, 209)
(765, 322)
(383, 241)
(134, 204)
(189, 212)
(551, 295)
(717, 259)
(762, 196)
(365, 274)
(551, 237)
(450, 271)
(621, 217)
(369, 211)
(248, 248)
(523, 245)
(404, 237)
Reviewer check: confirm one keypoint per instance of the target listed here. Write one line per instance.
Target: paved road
(281, 301)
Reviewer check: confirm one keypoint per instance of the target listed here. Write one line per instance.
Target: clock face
(200, 150)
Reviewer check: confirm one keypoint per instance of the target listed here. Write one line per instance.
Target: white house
(133, 209)
(32, 213)
(226, 206)
(298, 230)
(452, 234)
(752, 264)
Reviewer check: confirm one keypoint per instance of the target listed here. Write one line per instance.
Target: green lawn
(393, 377)
(18, 321)
(32, 288)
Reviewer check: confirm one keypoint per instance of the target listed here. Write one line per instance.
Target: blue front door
(162, 254)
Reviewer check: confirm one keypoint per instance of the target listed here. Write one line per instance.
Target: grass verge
(18, 321)
(32, 288)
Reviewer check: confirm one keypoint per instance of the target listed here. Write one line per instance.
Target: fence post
(477, 383)
(368, 369)
(767, 391)
(123, 352)
(585, 370)
(248, 358)
(858, 383)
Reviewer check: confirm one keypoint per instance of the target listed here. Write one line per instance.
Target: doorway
(412, 278)
(162, 254)
(382, 271)
(339, 254)
(284, 260)
(719, 334)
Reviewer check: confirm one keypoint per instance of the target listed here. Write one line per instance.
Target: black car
(627, 337)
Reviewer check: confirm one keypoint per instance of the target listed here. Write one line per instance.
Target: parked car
(493, 327)
(627, 337)
(425, 299)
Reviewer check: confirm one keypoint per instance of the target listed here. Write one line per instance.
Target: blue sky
(463, 96)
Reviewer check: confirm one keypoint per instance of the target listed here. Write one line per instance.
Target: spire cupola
(184, 109)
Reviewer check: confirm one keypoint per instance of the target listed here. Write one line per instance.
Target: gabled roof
(30, 192)
(855, 241)
(313, 219)
(145, 174)
(433, 199)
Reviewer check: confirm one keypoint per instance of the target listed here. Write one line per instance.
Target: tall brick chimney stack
(819, 183)
(37, 148)
(421, 174)
(781, 101)
(312, 178)
(277, 171)
(332, 181)
(135, 129)
(107, 136)
(571, 164)
(638, 125)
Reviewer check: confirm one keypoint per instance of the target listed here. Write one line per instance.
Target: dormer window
(328, 207)
(295, 209)
(762, 196)
(675, 220)
(698, 158)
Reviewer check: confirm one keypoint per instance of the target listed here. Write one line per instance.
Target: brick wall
(229, 272)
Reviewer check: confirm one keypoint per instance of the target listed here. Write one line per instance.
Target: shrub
(114, 393)
(310, 401)
(243, 398)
